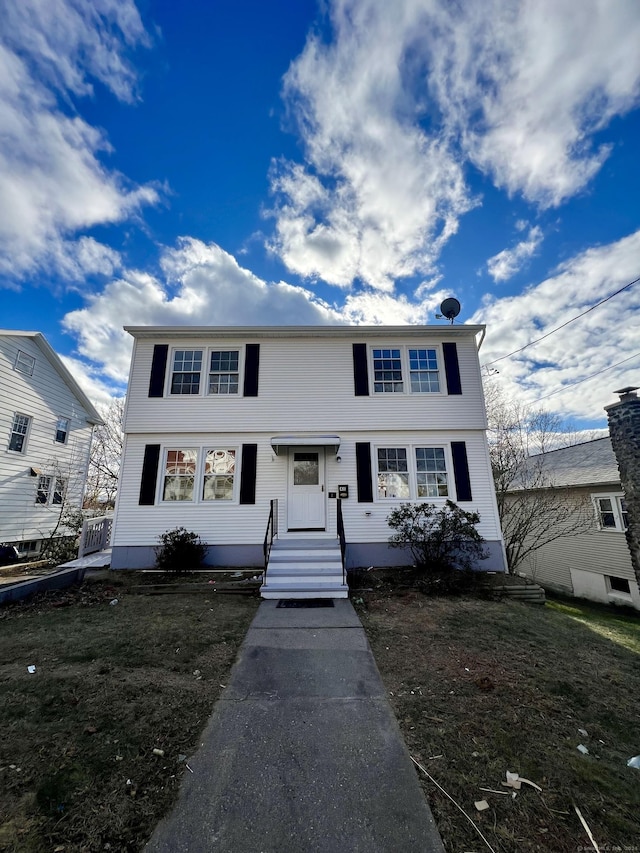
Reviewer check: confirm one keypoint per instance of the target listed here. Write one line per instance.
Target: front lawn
(483, 687)
(95, 741)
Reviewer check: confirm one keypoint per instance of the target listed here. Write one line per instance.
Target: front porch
(305, 568)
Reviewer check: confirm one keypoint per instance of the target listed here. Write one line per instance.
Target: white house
(322, 423)
(46, 422)
(593, 560)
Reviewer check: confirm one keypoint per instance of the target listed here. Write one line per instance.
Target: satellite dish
(450, 308)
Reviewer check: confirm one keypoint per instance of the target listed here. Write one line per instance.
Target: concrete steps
(308, 568)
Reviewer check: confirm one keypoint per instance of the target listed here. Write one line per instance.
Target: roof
(39, 339)
(592, 463)
(409, 331)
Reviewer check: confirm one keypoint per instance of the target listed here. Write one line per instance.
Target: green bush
(440, 538)
(180, 550)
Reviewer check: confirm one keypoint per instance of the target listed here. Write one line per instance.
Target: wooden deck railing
(96, 535)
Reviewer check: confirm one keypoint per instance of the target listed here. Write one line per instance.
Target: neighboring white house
(593, 563)
(45, 429)
(220, 422)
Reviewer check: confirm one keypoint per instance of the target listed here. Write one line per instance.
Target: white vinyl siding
(45, 397)
(305, 384)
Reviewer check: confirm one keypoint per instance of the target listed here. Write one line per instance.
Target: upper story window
(611, 511)
(19, 430)
(398, 370)
(405, 473)
(24, 363)
(185, 375)
(224, 372)
(62, 430)
(50, 490)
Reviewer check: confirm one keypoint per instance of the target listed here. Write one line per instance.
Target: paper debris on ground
(515, 781)
(31, 669)
(583, 749)
(634, 762)
(583, 732)
(481, 805)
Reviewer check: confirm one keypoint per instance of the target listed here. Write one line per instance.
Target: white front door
(306, 497)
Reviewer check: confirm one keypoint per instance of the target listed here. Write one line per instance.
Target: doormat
(305, 602)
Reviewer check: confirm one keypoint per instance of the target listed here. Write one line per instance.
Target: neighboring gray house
(46, 422)
(594, 564)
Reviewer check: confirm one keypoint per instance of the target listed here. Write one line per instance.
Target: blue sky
(346, 161)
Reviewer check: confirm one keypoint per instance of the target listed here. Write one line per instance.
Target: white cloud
(91, 379)
(407, 93)
(52, 181)
(204, 285)
(508, 262)
(605, 336)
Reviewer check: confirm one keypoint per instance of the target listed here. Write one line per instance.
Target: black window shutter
(360, 370)
(452, 368)
(461, 470)
(158, 367)
(248, 473)
(363, 469)
(149, 475)
(251, 369)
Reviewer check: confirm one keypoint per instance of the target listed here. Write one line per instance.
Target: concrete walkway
(302, 754)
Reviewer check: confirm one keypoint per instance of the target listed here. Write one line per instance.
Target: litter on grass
(634, 762)
(113, 602)
(515, 781)
(583, 749)
(481, 805)
(31, 669)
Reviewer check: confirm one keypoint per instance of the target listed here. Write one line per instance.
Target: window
(24, 363)
(187, 365)
(58, 491)
(387, 371)
(179, 475)
(62, 430)
(44, 489)
(393, 473)
(219, 474)
(423, 371)
(405, 474)
(611, 512)
(393, 366)
(19, 429)
(431, 472)
(223, 372)
(618, 585)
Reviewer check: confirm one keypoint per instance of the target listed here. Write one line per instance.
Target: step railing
(96, 535)
(271, 532)
(343, 541)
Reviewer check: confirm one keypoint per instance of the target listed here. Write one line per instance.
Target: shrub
(180, 551)
(439, 538)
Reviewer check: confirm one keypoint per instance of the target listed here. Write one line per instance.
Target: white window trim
(205, 370)
(413, 471)
(615, 498)
(406, 372)
(54, 479)
(30, 357)
(198, 486)
(26, 434)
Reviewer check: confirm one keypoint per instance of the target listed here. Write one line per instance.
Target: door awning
(281, 442)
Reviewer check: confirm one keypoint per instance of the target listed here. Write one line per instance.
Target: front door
(306, 498)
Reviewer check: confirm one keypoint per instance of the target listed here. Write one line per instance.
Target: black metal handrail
(343, 541)
(272, 530)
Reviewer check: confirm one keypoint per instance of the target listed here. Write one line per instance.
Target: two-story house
(299, 434)
(46, 422)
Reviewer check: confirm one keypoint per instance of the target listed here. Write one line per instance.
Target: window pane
(19, 430)
(25, 363)
(42, 495)
(306, 469)
(58, 492)
(219, 471)
(423, 371)
(619, 585)
(180, 469)
(623, 513)
(187, 365)
(62, 428)
(393, 486)
(387, 371)
(393, 476)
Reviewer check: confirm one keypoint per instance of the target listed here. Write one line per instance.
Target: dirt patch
(481, 687)
(96, 739)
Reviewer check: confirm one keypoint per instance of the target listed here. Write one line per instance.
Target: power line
(557, 329)
(593, 375)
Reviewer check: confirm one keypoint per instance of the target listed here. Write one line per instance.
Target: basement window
(618, 585)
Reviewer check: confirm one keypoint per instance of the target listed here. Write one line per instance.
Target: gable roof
(56, 362)
(592, 463)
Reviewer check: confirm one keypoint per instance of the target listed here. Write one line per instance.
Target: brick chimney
(624, 427)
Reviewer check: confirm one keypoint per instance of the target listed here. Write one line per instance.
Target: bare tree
(534, 509)
(104, 461)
